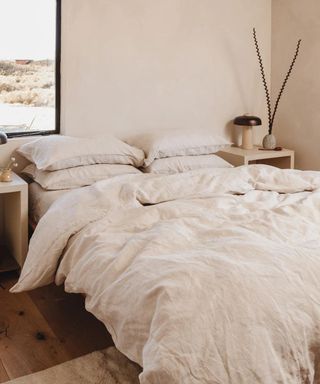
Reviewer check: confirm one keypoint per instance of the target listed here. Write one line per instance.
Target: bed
(209, 276)
(40, 200)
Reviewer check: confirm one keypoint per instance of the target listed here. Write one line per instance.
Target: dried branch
(265, 85)
(271, 116)
(286, 80)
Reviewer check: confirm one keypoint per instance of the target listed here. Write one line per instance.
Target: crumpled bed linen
(211, 276)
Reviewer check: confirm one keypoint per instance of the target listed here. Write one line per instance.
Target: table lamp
(3, 138)
(247, 122)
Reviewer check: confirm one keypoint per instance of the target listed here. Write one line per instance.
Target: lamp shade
(3, 138)
(248, 121)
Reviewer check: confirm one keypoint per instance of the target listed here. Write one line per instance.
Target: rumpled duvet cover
(211, 276)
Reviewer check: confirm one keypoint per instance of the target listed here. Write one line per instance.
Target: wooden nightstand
(13, 223)
(238, 156)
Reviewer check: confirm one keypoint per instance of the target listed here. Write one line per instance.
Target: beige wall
(130, 66)
(297, 124)
(134, 65)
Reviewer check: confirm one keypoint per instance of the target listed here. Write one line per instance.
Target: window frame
(57, 85)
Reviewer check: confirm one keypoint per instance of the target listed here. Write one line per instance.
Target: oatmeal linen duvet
(206, 277)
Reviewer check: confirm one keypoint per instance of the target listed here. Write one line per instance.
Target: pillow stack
(169, 152)
(63, 162)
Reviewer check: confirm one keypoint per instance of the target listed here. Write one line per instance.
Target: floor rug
(103, 367)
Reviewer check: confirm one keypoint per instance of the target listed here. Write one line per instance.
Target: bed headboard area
(130, 66)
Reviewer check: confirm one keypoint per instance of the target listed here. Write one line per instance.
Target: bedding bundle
(210, 276)
(176, 151)
(63, 162)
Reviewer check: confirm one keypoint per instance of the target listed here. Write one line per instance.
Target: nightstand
(13, 223)
(238, 156)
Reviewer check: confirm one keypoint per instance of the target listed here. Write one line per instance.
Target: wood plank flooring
(7, 263)
(42, 328)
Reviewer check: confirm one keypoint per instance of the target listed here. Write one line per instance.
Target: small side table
(13, 223)
(238, 156)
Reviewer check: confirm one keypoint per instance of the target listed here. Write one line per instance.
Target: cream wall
(297, 124)
(135, 65)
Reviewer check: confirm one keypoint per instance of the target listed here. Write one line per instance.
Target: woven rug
(104, 367)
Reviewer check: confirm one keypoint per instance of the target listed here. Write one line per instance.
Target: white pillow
(77, 176)
(160, 144)
(179, 164)
(60, 152)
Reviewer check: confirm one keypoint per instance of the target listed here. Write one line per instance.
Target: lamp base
(247, 142)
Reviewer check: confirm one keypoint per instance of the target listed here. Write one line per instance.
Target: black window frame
(57, 84)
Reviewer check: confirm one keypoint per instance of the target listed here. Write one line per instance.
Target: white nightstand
(13, 223)
(238, 156)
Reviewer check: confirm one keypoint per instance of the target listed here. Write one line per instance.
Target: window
(30, 66)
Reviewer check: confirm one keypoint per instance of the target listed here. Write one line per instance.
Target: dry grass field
(27, 84)
(27, 96)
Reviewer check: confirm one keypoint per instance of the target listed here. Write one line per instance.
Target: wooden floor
(43, 328)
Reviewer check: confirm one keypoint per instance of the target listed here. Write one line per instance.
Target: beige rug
(104, 367)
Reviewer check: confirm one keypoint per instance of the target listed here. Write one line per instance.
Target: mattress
(41, 200)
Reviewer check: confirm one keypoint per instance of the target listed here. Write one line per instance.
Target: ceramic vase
(269, 142)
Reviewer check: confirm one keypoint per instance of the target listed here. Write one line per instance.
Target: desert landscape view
(27, 95)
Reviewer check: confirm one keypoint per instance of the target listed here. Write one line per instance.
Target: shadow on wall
(234, 133)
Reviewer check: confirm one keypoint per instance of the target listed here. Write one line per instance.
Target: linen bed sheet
(41, 200)
(203, 277)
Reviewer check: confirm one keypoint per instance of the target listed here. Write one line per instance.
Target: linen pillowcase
(61, 152)
(158, 145)
(180, 164)
(77, 177)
